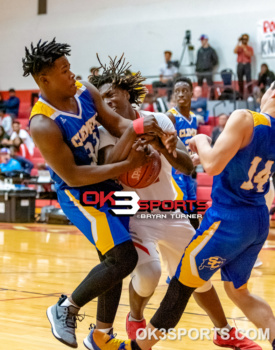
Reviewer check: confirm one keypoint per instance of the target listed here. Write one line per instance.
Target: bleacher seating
(37, 158)
(204, 193)
(211, 121)
(34, 172)
(24, 110)
(36, 152)
(40, 203)
(37, 161)
(204, 179)
(205, 129)
(204, 187)
(23, 95)
(24, 123)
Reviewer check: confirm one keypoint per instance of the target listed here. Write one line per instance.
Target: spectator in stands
(21, 149)
(94, 71)
(244, 52)
(148, 103)
(265, 78)
(207, 59)
(153, 104)
(26, 164)
(199, 105)
(217, 130)
(168, 72)
(7, 163)
(6, 122)
(18, 132)
(12, 104)
(2, 103)
(3, 136)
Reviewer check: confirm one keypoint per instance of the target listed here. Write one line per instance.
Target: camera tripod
(187, 45)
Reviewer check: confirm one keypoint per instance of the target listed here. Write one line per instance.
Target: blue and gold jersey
(186, 129)
(245, 179)
(80, 131)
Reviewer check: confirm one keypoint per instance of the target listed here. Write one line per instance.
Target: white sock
(133, 319)
(106, 330)
(228, 327)
(68, 303)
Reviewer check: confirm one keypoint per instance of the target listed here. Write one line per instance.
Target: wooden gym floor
(40, 262)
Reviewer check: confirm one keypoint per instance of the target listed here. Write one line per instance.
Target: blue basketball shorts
(186, 185)
(228, 239)
(102, 229)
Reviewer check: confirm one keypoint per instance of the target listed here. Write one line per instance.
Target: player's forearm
(122, 148)
(208, 158)
(88, 174)
(182, 163)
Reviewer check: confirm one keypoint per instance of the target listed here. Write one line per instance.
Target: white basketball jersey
(163, 188)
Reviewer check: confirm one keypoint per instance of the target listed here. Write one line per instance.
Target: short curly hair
(118, 75)
(184, 80)
(42, 56)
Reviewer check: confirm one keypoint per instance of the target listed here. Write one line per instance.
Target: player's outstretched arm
(118, 151)
(235, 136)
(48, 138)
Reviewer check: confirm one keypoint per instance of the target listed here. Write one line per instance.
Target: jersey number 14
(260, 178)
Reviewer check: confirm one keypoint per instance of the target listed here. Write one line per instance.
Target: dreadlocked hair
(43, 56)
(118, 75)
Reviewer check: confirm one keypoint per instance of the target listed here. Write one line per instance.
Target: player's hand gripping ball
(144, 175)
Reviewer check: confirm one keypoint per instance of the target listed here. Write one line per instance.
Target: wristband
(138, 126)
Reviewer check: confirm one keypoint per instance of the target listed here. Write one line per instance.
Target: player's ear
(127, 94)
(43, 79)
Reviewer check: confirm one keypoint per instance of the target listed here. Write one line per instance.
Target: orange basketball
(144, 175)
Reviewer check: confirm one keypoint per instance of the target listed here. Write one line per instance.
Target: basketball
(144, 175)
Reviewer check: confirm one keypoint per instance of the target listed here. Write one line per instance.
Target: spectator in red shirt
(244, 52)
(21, 149)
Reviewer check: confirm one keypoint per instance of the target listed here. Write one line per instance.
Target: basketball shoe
(236, 340)
(88, 341)
(103, 341)
(63, 321)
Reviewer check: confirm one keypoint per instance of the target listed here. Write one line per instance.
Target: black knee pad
(124, 256)
(172, 305)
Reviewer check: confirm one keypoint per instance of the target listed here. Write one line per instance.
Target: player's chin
(182, 103)
(73, 89)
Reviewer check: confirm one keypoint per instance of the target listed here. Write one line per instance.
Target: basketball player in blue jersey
(185, 123)
(64, 127)
(233, 230)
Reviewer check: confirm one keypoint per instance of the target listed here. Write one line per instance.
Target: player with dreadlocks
(64, 126)
(152, 237)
